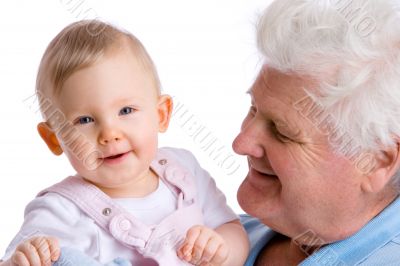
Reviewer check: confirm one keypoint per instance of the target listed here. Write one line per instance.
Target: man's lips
(261, 170)
(261, 180)
(262, 173)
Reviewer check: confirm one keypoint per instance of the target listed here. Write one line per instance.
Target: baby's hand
(36, 251)
(203, 246)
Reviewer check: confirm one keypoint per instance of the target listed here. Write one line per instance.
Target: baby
(99, 94)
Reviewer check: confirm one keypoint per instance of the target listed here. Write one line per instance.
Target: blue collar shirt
(377, 243)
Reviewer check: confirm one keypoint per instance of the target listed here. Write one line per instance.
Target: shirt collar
(376, 233)
(259, 235)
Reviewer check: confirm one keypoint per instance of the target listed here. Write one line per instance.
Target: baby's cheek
(82, 155)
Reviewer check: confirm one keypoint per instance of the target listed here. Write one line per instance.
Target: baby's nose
(109, 135)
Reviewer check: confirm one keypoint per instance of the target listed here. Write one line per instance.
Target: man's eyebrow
(281, 121)
(250, 93)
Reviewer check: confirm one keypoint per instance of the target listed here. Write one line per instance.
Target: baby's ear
(49, 138)
(165, 105)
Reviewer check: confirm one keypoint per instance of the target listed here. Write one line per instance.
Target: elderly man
(322, 135)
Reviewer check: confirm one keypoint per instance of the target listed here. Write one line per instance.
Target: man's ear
(387, 163)
(49, 138)
(164, 108)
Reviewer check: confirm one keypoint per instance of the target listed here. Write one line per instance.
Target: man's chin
(256, 202)
(249, 198)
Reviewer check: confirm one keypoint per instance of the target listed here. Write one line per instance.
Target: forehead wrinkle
(268, 114)
(264, 92)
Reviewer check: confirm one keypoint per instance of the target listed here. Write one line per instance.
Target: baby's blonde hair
(80, 45)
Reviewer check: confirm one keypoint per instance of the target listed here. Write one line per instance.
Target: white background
(206, 56)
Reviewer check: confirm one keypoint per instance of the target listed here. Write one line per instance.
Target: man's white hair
(358, 41)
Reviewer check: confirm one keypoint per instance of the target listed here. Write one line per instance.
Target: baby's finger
(220, 256)
(187, 246)
(192, 235)
(30, 253)
(210, 249)
(19, 259)
(54, 248)
(199, 246)
(183, 252)
(42, 246)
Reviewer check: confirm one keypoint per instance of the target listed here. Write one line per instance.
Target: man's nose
(248, 142)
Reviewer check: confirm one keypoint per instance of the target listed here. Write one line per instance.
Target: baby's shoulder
(175, 152)
(55, 205)
(179, 155)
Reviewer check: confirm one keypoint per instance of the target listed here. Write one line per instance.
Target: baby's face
(113, 109)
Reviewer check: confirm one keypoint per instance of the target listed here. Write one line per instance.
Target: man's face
(296, 182)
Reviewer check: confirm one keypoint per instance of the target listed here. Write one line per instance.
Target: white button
(125, 225)
(162, 161)
(106, 211)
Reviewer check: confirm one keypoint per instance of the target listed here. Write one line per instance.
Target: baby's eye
(84, 120)
(126, 110)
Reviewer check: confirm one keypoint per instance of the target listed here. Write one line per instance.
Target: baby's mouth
(114, 156)
(115, 159)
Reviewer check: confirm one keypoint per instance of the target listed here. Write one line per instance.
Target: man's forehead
(277, 98)
(271, 84)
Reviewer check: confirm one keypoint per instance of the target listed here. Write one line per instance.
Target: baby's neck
(138, 188)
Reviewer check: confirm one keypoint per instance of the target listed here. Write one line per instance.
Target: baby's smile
(115, 159)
